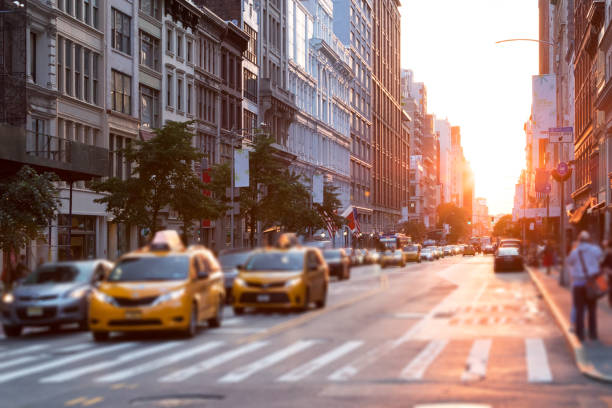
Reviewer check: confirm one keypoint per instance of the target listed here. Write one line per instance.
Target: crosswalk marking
(61, 361)
(538, 369)
(124, 358)
(246, 371)
(17, 361)
(161, 362)
(476, 364)
(23, 350)
(313, 365)
(75, 347)
(417, 367)
(211, 363)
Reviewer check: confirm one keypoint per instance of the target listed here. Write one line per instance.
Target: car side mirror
(240, 267)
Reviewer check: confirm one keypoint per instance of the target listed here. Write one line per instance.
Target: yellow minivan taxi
(160, 287)
(282, 278)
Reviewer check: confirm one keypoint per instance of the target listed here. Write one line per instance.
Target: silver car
(53, 294)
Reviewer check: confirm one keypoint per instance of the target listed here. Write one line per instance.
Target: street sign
(562, 169)
(561, 135)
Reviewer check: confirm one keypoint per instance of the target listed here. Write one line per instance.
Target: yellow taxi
(412, 253)
(163, 286)
(286, 278)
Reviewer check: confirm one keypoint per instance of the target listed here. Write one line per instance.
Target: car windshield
(232, 260)
(333, 254)
(59, 274)
(508, 251)
(275, 261)
(150, 269)
(411, 248)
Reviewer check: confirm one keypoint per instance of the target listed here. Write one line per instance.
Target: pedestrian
(606, 267)
(584, 262)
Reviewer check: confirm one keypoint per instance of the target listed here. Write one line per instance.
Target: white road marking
(246, 371)
(61, 362)
(476, 364)
(409, 315)
(23, 350)
(480, 292)
(75, 347)
(161, 362)
(238, 330)
(124, 358)
(17, 361)
(313, 365)
(417, 367)
(211, 363)
(235, 321)
(538, 369)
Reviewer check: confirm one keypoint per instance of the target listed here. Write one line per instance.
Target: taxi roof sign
(167, 240)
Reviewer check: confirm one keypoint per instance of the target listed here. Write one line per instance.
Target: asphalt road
(446, 332)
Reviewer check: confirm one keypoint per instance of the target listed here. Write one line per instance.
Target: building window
(121, 92)
(207, 105)
(169, 40)
(250, 122)
(94, 86)
(250, 85)
(169, 90)
(86, 75)
(149, 51)
(33, 56)
(150, 7)
(179, 46)
(120, 39)
(87, 11)
(179, 96)
(68, 66)
(149, 107)
(251, 51)
(77, 71)
(189, 51)
(60, 64)
(95, 14)
(189, 99)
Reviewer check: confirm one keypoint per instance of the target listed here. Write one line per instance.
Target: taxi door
(315, 271)
(215, 288)
(199, 283)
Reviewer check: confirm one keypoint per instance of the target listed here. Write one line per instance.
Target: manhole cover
(174, 401)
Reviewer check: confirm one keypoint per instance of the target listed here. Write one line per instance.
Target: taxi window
(151, 269)
(312, 260)
(276, 261)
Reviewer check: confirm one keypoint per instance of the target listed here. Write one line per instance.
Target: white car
(427, 254)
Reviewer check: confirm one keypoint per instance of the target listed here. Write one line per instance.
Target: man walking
(583, 262)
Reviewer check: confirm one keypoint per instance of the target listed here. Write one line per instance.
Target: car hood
(47, 289)
(139, 289)
(269, 276)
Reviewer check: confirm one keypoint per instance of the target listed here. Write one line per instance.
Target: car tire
(323, 301)
(216, 321)
(12, 331)
(238, 311)
(192, 327)
(100, 335)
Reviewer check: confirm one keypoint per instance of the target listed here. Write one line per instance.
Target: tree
(29, 201)
(415, 229)
(162, 175)
(456, 218)
(505, 227)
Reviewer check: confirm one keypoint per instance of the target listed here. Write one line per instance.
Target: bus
(395, 241)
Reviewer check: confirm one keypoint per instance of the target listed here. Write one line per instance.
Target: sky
(483, 87)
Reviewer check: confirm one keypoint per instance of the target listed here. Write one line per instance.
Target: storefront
(78, 242)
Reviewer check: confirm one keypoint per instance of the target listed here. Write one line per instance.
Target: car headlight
(239, 282)
(8, 298)
(293, 282)
(174, 295)
(77, 293)
(103, 297)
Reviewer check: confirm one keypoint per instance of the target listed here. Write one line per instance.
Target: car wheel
(321, 302)
(216, 321)
(192, 328)
(238, 311)
(12, 331)
(100, 335)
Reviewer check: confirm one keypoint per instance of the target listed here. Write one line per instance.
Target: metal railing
(48, 147)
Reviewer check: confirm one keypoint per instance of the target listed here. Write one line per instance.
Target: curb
(585, 366)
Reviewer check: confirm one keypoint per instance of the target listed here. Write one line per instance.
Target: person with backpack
(584, 263)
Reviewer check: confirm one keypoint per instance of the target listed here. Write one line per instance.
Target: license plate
(263, 298)
(133, 314)
(34, 311)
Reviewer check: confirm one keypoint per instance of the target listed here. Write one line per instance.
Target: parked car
(469, 250)
(508, 258)
(163, 286)
(53, 294)
(288, 278)
(230, 261)
(412, 253)
(338, 262)
(428, 254)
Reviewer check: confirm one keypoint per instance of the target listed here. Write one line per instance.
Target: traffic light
(469, 222)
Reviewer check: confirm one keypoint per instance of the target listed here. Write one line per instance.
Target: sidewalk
(594, 359)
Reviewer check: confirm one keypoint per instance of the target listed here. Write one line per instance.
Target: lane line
(124, 358)
(538, 369)
(211, 363)
(274, 358)
(62, 361)
(417, 367)
(17, 361)
(476, 364)
(161, 362)
(321, 361)
(23, 350)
